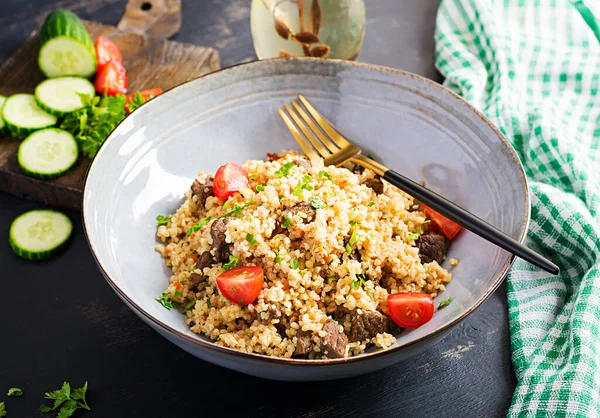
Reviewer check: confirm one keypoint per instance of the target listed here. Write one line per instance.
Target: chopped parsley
(162, 220)
(167, 303)
(242, 301)
(303, 184)
(252, 177)
(353, 239)
(371, 204)
(419, 230)
(339, 322)
(3, 412)
(317, 203)
(260, 188)
(330, 280)
(277, 236)
(411, 236)
(233, 260)
(277, 260)
(177, 294)
(359, 281)
(325, 174)
(184, 281)
(284, 170)
(445, 303)
(208, 302)
(354, 209)
(294, 264)
(227, 204)
(15, 392)
(354, 223)
(250, 238)
(236, 209)
(68, 401)
(286, 222)
(197, 226)
(303, 271)
(190, 305)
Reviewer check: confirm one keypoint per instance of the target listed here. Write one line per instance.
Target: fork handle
(469, 221)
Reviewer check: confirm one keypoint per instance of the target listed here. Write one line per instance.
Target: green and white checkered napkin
(533, 68)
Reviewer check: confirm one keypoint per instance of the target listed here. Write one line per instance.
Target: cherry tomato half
(447, 227)
(241, 285)
(410, 309)
(106, 51)
(229, 178)
(112, 80)
(146, 94)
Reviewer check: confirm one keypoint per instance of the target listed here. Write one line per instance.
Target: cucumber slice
(39, 234)
(66, 47)
(3, 129)
(47, 153)
(60, 96)
(22, 115)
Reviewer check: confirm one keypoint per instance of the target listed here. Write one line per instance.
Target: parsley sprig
(68, 401)
(233, 260)
(137, 101)
(303, 184)
(236, 209)
(359, 281)
(324, 174)
(445, 303)
(92, 124)
(353, 239)
(162, 220)
(15, 392)
(3, 412)
(284, 170)
(317, 203)
(190, 305)
(197, 226)
(167, 303)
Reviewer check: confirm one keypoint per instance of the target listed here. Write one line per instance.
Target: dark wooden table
(61, 321)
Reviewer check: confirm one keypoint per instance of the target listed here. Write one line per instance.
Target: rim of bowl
(209, 345)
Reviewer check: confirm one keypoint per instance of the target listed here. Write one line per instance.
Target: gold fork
(325, 142)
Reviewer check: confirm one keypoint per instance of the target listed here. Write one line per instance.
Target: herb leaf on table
(67, 401)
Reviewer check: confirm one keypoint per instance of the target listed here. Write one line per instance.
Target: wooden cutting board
(150, 60)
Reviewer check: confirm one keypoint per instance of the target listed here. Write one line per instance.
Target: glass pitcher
(314, 28)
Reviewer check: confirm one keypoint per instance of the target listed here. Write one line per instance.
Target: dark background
(61, 321)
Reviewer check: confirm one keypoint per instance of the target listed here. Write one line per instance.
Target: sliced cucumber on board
(2, 124)
(22, 115)
(66, 47)
(47, 153)
(60, 96)
(39, 234)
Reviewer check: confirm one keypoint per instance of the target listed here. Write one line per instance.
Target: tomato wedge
(241, 285)
(410, 309)
(229, 179)
(106, 51)
(112, 80)
(447, 227)
(146, 94)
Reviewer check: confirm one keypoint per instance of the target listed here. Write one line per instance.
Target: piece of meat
(432, 247)
(265, 317)
(203, 189)
(205, 260)
(303, 207)
(278, 229)
(333, 345)
(304, 343)
(368, 324)
(218, 230)
(281, 330)
(272, 156)
(358, 169)
(355, 255)
(302, 162)
(198, 278)
(376, 184)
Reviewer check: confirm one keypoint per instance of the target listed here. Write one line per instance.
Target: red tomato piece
(146, 94)
(410, 309)
(241, 285)
(106, 51)
(447, 227)
(229, 178)
(112, 80)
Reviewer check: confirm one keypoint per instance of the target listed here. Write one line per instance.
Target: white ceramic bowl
(409, 123)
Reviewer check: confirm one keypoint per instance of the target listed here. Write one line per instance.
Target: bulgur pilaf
(333, 243)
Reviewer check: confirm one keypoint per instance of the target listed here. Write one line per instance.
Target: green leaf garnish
(190, 305)
(236, 209)
(317, 203)
(286, 222)
(353, 239)
(276, 236)
(68, 401)
(303, 271)
(260, 188)
(177, 294)
(167, 303)
(3, 412)
(92, 124)
(294, 264)
(208, 302)
(325, 174)
(250, 238)
(411, 236)
(330, 280)
(162, 220)
(277, 260)
(303, 184)
(359, 281)
(233, 260)
(197, 226)
(15, 392)
(284, 170)
(354, 223)
(137, 101)
(445, 302)
(371, 204)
